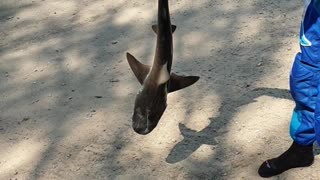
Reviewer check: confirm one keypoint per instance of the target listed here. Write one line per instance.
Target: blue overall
(304, 79)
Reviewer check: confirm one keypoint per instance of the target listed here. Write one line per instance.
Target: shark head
(151, 100)
(148, 109)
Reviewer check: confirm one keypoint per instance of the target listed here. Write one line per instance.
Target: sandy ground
(57, 57)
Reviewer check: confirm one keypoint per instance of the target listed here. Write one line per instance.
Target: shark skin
(156, 80)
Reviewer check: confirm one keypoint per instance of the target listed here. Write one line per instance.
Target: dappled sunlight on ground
(67, 92)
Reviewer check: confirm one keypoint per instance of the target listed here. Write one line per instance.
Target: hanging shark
(156, 80)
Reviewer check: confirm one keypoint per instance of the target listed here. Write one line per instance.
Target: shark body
(156, 80)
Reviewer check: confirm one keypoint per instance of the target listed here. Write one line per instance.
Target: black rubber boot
(296, 156)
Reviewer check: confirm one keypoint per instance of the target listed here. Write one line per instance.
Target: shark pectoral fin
(185, 131)
(179, 82)
(140, 70)
(155, 28)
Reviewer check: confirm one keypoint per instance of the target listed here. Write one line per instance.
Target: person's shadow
(192, 140)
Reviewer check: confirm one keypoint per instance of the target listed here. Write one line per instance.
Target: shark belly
(164, 75)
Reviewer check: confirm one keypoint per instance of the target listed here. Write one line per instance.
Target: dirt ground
(67, 93)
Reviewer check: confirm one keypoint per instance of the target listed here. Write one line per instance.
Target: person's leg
(317, 114)
(304, 91)
(305, 88)
(305, 77)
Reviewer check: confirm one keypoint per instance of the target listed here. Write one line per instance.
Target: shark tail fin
(179, 82)
(155, 28)
(140, 70)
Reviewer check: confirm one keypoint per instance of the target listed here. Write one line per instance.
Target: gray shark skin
(156, 80)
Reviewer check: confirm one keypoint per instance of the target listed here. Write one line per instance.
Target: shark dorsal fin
(155, 28)
(140, 70)
(179, 82)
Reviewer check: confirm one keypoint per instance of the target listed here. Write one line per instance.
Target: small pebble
(114, 42)
(35, 101)
(114, 80)
(25, 119)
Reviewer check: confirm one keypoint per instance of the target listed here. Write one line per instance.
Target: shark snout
(144, 128)
(141, 130)
(142, 125)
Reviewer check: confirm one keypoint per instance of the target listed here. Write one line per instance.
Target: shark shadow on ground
(192, 140)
